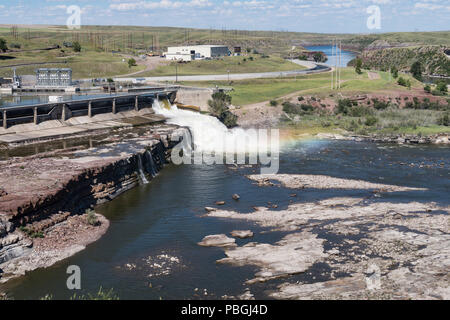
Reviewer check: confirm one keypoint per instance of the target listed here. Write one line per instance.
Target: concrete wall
(195, 97)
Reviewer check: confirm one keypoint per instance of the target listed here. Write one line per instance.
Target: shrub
(301, 98)
(92, 218)
(274, 103)
(371, 121)
(442, 87)
(3, 46)
(394, 72)
(219, 108)
(444, 120)
(427, 88)
(416, 70)
(76, 47)
(131, 62)
(358, 66)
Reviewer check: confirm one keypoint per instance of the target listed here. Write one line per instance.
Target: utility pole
(332, 71)
(176, 72)
(340, 62)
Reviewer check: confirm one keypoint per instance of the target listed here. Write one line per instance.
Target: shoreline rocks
(361, 247)
(217, 240)
(43, 192)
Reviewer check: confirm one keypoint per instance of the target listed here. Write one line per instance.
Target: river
(347, 56)
(162, 220)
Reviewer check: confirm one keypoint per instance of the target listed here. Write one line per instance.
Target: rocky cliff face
(45, 191)
(432, 58)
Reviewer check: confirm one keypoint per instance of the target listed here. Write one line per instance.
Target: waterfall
(208, 133)
(153, 167)
(141, 170)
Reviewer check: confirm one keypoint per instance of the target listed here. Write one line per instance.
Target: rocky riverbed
(369, 247)
(44, 197)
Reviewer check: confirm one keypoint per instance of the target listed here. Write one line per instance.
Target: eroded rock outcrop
(41, 192)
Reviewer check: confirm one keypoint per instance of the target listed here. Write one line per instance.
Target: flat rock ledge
(42, 194)
(217, 240)
(298, 181)
(294, 254)
(242, 234)
(338, 248)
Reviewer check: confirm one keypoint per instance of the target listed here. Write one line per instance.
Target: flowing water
(347, 56)
(160, 223)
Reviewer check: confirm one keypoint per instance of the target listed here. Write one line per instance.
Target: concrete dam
(55, 120)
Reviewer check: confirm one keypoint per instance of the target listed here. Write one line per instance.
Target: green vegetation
(259, 90)
(219, 107)
(131, 62)
(404, 82)
(358, 66)
(91, 218)
(252, 64)
(3, 46)
(418, 60)
(76, 47)
(416, 70)
(101, 294)
(423, 118)
(31, 233)
(394, 72)
(273, 103)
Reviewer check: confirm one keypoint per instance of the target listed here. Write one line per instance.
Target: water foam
(211, 135)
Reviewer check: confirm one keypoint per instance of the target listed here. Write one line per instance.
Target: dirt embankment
(43, 198)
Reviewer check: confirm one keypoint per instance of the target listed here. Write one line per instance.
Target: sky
(321, 16)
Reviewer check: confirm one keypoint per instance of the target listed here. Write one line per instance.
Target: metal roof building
(190, 53)
(54, 77)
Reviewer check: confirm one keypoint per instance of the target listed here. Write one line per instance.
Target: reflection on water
(347, 56)
(162, 219)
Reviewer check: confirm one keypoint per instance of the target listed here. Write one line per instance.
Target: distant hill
(433, 59)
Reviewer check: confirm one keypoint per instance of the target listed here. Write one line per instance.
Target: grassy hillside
(432, 58)
(251, 64)
(260, 90)
(98, 42)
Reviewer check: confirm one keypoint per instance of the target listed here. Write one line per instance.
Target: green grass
(233, 64)
(260, 90)
(87, 64)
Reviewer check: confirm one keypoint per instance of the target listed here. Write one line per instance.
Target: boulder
(218, 240)
(242, 234)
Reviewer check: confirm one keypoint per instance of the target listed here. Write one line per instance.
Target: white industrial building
(190, 53)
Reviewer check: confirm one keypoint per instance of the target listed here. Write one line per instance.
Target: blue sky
(331, 16)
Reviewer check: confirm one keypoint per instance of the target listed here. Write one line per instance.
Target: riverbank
(44, 197)
(359, 247)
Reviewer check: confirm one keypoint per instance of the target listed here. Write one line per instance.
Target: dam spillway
(36, 113)
(54, 120)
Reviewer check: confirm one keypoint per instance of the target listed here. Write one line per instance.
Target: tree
(358, 66)
(427, 88)
(442, 87)
(394, 72)
(416, 70)
(131, 62)
(3, 46)
(76, 47)
(219, 108)
(401, 82)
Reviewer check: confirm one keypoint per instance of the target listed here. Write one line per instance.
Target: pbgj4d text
(235, 310)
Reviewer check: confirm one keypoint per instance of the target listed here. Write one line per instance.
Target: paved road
(312, 68)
